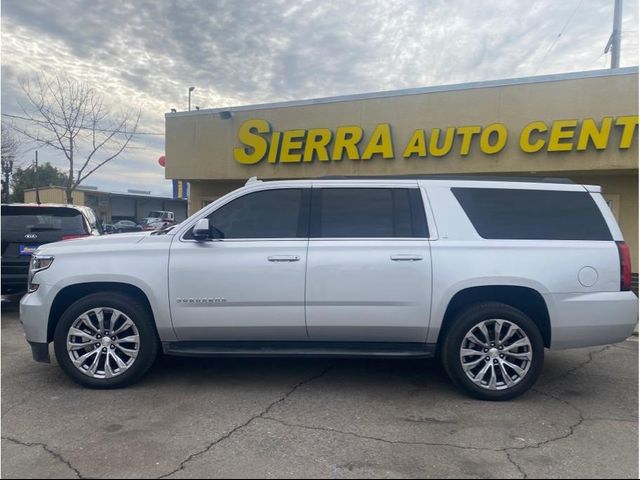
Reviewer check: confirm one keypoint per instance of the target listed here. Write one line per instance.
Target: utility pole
(37, 181)
(614, 41)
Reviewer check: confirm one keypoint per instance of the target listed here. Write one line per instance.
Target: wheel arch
(526, 299)
(71, 293)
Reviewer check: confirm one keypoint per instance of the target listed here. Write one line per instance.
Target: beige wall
(204, 192)
(200, 145)
(53, 195)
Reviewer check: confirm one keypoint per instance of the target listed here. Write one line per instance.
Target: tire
(500, 381)
(112, 307)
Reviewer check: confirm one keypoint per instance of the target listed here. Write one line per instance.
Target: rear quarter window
(498, 213)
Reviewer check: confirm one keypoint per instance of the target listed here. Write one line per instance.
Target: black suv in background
(27, 226)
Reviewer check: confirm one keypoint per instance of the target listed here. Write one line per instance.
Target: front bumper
(585, 320)
(34, 314)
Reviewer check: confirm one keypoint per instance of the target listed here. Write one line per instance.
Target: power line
(599, 57)
(82, 128)
(559, 35)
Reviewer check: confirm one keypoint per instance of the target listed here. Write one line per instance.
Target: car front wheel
(106, 340)
(493, 351)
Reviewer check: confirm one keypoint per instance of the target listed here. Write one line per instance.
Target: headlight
(37, 265)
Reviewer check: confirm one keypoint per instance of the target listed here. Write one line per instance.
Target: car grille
(13, 267)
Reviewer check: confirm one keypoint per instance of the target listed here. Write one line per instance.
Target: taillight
(625, 266)
(71, 237)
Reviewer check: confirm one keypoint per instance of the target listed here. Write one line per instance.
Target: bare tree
(70, 116)
(9, 152)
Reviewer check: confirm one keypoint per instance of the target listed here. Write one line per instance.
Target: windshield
(155, 214)
(23, 220)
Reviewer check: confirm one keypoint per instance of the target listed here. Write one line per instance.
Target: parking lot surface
(194, 418)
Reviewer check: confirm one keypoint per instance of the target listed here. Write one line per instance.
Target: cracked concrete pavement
(303, 418)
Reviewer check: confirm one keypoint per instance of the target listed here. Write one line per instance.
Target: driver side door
(248, 285)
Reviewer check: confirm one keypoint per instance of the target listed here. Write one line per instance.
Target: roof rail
(486, 178)
(252, 180)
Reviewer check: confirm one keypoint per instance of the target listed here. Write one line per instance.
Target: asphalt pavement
(311, 418)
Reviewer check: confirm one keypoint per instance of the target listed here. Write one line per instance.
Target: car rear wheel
(493, 351)
(106, 340)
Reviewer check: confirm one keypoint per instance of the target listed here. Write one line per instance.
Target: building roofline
(113, 194)
(416, 91)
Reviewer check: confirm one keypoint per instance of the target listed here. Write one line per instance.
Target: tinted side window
(533, 214)
(367, 213)
(264, 214)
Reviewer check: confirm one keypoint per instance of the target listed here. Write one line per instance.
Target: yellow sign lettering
(629, 124)
(380, 143)
(347, 139)
(500, 132)
(589, 132)
(562, 130)
(291, 141)
(274, 148)
(417, 145)
(248, 135)
(467, 134)
(318, 139)
(434, 149)
(258, 141)
(525, 137)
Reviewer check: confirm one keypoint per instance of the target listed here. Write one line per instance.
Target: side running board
(300, 349)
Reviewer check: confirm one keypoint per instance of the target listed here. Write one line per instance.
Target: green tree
(24, 178)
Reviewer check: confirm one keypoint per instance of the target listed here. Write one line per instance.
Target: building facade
(582, 126)
(109, 206)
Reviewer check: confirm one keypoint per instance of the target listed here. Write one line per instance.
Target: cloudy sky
(145, 53)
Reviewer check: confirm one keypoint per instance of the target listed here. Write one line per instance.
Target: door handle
(284, 258)
(406, 258)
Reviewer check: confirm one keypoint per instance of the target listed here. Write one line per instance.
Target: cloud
(145, 53)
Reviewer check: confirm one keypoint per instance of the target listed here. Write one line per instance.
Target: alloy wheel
(496, 354)
(103, 343)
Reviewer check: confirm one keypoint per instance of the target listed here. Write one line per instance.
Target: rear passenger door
(369, 265)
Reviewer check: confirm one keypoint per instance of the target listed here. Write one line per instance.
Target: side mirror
(202, 230)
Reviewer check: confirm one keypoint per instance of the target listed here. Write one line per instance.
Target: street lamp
(191, 89)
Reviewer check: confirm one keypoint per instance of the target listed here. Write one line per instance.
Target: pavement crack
(516, 464)
(573, 370)
(572, 428)
(400, 442)
(633, 349)
(506, 450)
(428, 444)
(378, 439)
(605, 419)
(47, 449)
(571, 432)
(262, 414)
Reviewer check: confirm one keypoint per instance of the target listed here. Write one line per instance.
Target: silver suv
(485, 274)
